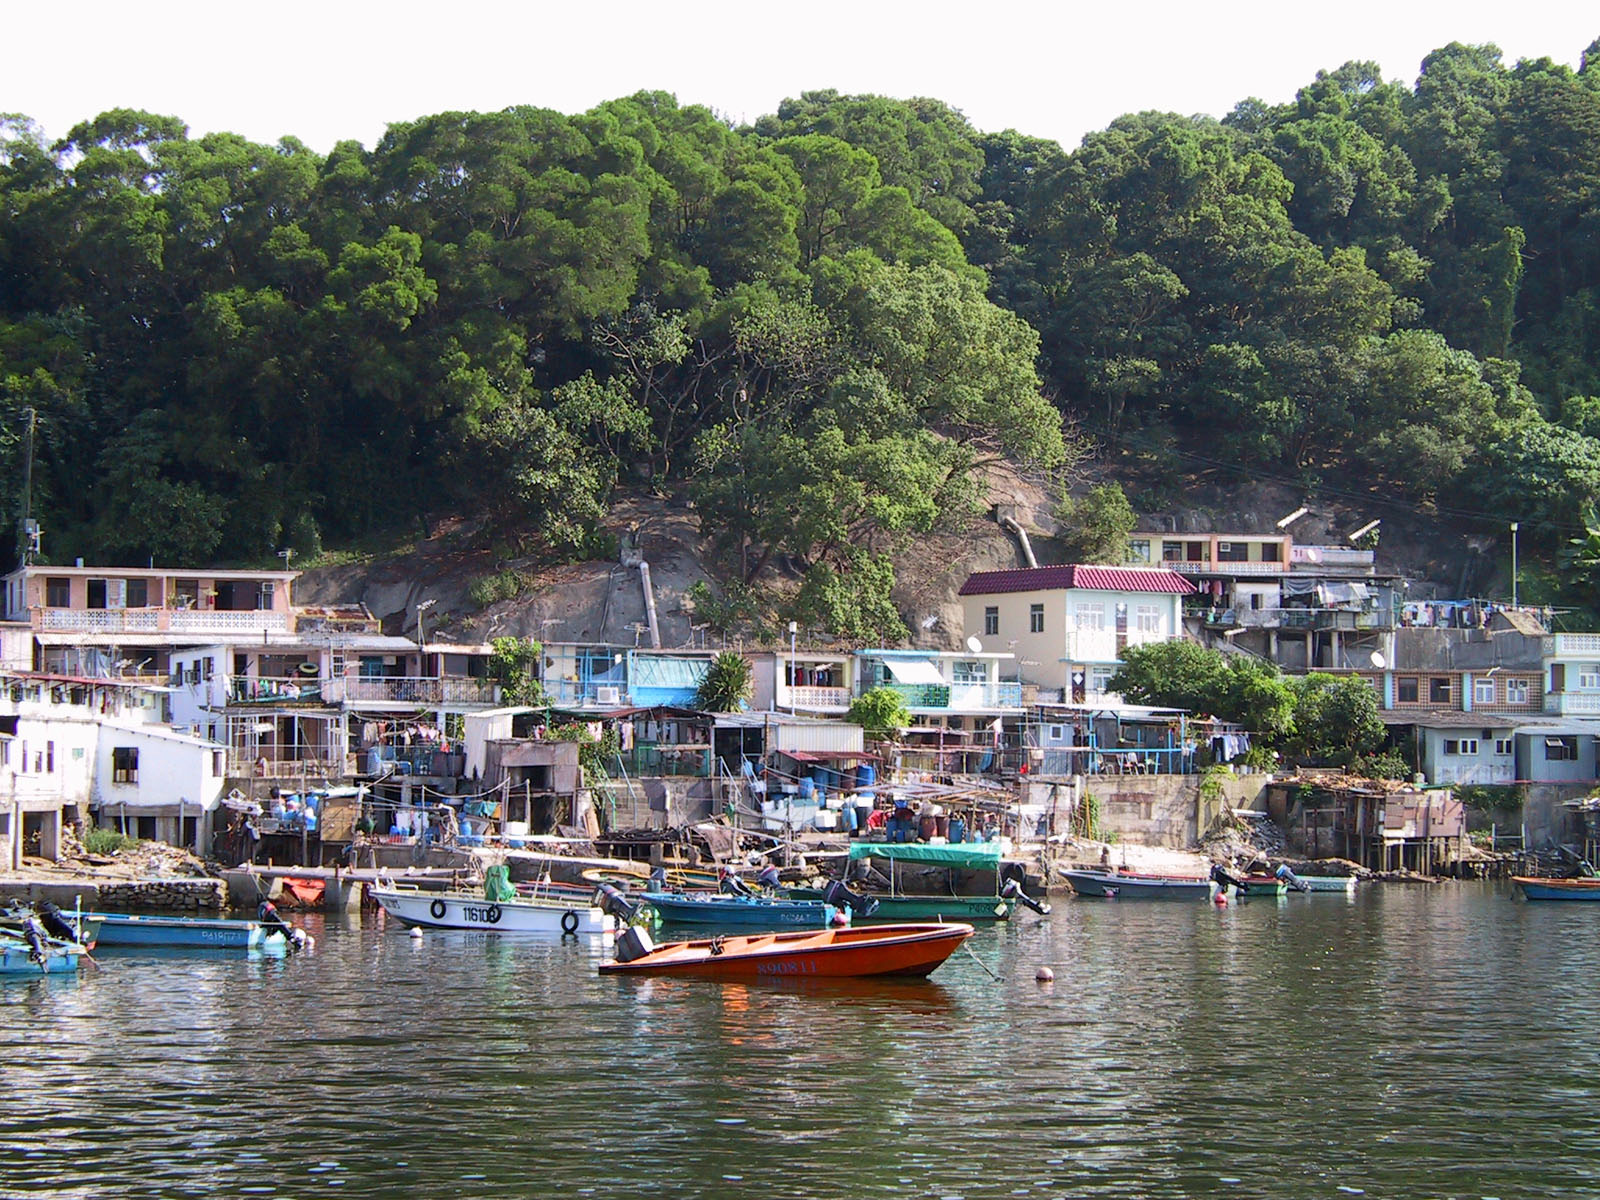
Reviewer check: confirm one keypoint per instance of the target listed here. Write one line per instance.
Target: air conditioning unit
(608, 695)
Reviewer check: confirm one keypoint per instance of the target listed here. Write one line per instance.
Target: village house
(74, 750)
(1067, 626)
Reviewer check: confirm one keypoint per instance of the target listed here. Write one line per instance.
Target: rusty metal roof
(1106, 579)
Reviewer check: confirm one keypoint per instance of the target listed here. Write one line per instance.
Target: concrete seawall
(193, 896)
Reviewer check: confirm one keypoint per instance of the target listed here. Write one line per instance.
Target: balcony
(1330, 556)
(451, 690)
(1106, 645)
(569, 693)
(157, 620)
(1566, 704)
(812, 699)
(339, 766)
(248, 689)
(1564, 645)
(1225, 567)
(958, 697)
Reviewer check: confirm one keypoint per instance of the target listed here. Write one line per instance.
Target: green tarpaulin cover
(964, 854)
(497, 883)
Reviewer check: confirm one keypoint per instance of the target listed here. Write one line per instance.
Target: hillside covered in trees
(819, 327)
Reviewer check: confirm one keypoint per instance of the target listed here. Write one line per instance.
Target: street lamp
(794, 630)
(1514, 564)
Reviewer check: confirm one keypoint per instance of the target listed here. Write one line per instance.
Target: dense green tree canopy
(822, 325)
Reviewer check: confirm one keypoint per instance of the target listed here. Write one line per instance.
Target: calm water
(1410, 1043)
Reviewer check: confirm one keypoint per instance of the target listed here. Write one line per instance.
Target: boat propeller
(1013, 891)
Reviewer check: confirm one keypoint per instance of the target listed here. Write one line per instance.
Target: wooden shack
(1382, 828)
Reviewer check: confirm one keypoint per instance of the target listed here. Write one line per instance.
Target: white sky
(329, 71)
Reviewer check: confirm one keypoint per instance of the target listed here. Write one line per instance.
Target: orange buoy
(1220, 900)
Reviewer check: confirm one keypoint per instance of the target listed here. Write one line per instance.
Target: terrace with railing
(396, 690)
(957, 697)
(157, 620)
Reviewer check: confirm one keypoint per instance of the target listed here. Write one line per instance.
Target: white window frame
(1147, 618)
(1589, 676)
(1035, 618)
(1517, 691)
(1483, 691)
(1087, 615)
(1100, 679)
(1503, 748)
(1467, 747)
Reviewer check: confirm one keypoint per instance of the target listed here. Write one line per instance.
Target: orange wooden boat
(802, 954)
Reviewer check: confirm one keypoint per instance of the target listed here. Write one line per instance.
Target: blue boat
(16, 957)
(711, 908)
(122, 929)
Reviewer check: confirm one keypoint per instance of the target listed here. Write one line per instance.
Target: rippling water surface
(1413, 1042)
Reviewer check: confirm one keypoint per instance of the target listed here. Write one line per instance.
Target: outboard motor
(840, 896)
(33, 933)
(768, 877)
(1223, 879)
(634, 942)
(56, 925)
(1013, 891)
(658, 878)
(616, 904)
(1293, 880)
(732, 885)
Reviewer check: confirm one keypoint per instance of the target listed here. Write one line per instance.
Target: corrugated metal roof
(1106, 579)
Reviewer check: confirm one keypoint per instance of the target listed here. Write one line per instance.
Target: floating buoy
(1045, 975)
(416, 933)
(1220, 900)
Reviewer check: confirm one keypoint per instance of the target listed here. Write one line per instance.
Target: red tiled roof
(1107, 579)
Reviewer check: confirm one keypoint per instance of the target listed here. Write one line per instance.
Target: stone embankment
(191, 896)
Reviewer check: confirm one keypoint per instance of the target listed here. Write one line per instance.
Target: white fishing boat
(472, 910)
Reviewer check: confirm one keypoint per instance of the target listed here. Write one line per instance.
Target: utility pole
(25, 544)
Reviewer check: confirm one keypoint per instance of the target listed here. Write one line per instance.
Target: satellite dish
(1378, 660)
(974, 644)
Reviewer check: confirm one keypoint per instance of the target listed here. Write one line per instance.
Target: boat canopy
(963, 854)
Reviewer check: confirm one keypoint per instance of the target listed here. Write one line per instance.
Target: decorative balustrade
(815, 698)
(1224, 567)
(1570, 703)
(157, 620)
(1562, 644)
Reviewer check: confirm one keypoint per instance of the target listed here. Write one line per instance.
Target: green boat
(896, 905)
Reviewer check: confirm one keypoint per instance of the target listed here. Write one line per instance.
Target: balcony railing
(1106, 645)
(248, 689)
(958, 697)
(156, 620)
(1570, 703)
(1563, 644)
(330, 767)
(569, 693)
(244, 689)
(1224, 567)
(457, 689)
(815, 698)
(1329, 556)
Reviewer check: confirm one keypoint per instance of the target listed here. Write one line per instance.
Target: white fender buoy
(1045, 975)
(416, 933)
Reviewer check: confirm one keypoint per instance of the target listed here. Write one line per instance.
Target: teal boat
(898, 905)
(18, 957)
(123, 929)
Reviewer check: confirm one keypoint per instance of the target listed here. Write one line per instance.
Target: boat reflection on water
(895, 995)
